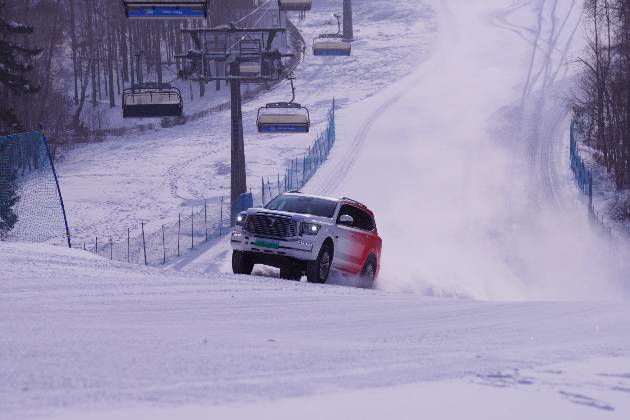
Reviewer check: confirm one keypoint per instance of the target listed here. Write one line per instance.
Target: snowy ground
(86, 338)
(464, 162)
(479, 200)
(184, 165)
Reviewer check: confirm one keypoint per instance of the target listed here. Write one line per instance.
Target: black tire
(242, 263)
(368, 273)
(317, 271)
(290, 273)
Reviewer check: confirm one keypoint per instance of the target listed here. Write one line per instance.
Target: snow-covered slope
(115, 184)
(465, 162)
(81, 335)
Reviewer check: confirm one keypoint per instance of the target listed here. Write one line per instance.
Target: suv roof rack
(354, 201)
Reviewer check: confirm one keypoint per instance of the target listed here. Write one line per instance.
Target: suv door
(352, 240)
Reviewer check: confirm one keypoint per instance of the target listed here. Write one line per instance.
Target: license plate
(268, 244)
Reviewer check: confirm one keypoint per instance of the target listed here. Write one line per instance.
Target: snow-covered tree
(15, 64)
(8, 192)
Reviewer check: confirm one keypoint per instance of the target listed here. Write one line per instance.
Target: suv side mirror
(346, 220)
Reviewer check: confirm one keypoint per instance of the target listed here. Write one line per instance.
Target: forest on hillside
(603, 97)
(67, 60)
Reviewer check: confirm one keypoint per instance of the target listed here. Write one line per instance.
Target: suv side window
(362, 220)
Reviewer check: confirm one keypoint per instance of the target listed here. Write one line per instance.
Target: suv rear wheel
(368, 274)
(242, 263)
(317, 271)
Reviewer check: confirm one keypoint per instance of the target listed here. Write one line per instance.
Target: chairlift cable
(253, 26)
(252, 12)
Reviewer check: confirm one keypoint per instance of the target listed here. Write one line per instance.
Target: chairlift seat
(295, 5)
(152, 101)
(283, 118)
(326, 46)
(249, 69)
(166, 9)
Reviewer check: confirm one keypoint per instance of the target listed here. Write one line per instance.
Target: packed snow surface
(82, 336)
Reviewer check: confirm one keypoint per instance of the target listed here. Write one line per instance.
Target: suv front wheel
(242, 263)
(317, 271)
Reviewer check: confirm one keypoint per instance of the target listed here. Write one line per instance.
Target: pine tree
(8, 192)
(15, 63)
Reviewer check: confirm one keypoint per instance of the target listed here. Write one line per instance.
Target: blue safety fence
(583, 176)
(31, 205)
(301, 169)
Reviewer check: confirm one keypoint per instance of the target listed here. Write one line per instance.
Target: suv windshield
(303, 205)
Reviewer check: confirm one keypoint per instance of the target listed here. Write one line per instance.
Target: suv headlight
(240, 219)
(310, 228)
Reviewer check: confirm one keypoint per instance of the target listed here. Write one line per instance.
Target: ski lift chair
(152, 100)
(295, 5)
(166, 9)
(331, 45)
(250, 69)
(284, 117)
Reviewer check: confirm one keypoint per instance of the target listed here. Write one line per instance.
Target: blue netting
(30, 204)
(580, 171)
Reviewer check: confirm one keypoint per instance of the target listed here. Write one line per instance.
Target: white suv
(305, 234)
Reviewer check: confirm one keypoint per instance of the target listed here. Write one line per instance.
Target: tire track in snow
(345, 166)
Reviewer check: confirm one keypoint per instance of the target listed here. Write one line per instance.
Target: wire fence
(148, 245)
(31, 207)
(154, 245)
(301, 170)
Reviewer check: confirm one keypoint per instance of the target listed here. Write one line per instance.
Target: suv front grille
(272, 226)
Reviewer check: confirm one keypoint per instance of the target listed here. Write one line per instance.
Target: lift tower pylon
(348, 32)
(238, 183)
(234, 46)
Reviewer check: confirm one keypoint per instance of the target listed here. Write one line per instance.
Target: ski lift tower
(248, 54)
(348, 33)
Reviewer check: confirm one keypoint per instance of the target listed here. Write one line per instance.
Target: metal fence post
(111, 248)
(144, 245)
(205, 218)
(179, 228)
(128, 243)
(163, 247)
(221, 218)
(192, 228)
(263, 191)
(96, 245)
(63, 207)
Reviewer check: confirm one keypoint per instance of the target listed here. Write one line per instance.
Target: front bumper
(298, 248)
